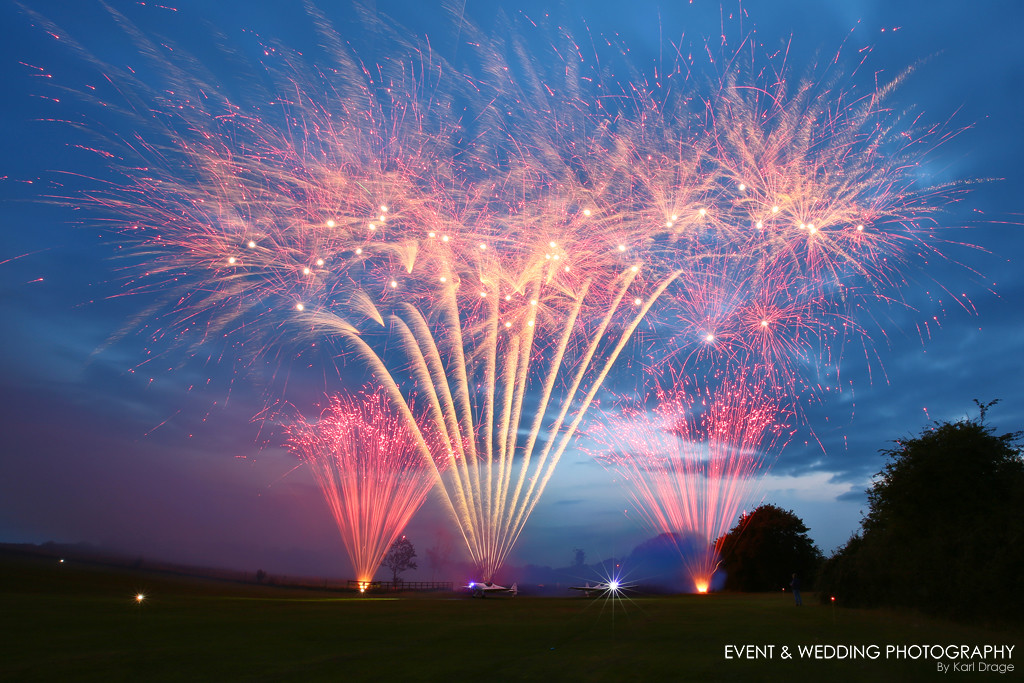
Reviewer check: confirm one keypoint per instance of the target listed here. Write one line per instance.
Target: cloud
(817, 487)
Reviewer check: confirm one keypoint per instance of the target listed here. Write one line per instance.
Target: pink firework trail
(497, 259)
(695, 460)
(371, 474)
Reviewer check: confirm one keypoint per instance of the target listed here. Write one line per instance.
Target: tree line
(943, 533)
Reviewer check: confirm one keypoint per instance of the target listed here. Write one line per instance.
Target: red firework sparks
(696, 459)
(368, 467)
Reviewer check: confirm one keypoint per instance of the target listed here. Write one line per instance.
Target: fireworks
(372, 477)
(808, 219)
(691, 465)
(495, 258)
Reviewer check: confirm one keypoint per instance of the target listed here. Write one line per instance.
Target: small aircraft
(480, 589)
(600, 588)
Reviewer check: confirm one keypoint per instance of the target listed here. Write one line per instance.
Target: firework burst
(489, 239)
(372, 477)
(694, 461)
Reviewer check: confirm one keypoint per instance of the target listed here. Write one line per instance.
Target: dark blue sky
(160, 456)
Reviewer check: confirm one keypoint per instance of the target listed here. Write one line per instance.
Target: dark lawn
(81, 622)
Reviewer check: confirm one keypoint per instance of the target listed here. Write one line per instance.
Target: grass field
(82, 622)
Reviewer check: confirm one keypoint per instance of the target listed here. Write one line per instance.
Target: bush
(765, 548)
(944, 528)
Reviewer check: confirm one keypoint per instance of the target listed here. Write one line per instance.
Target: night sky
(160, 456)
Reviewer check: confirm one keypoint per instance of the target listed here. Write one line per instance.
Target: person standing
(795, 585)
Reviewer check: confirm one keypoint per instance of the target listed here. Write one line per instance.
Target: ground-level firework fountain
(370, 473)
(471, 372)
(694, 461)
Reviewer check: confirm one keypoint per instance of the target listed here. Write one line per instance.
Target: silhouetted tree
(765, 548)
(944, 531)
(579, 557)
(400, 558)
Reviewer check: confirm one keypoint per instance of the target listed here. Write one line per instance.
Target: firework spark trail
(696, 460)
(472, 362)
(331, 227)
(809, 219)
(369, 470)
(504, 250)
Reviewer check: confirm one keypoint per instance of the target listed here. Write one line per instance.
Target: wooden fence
(389, 587)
